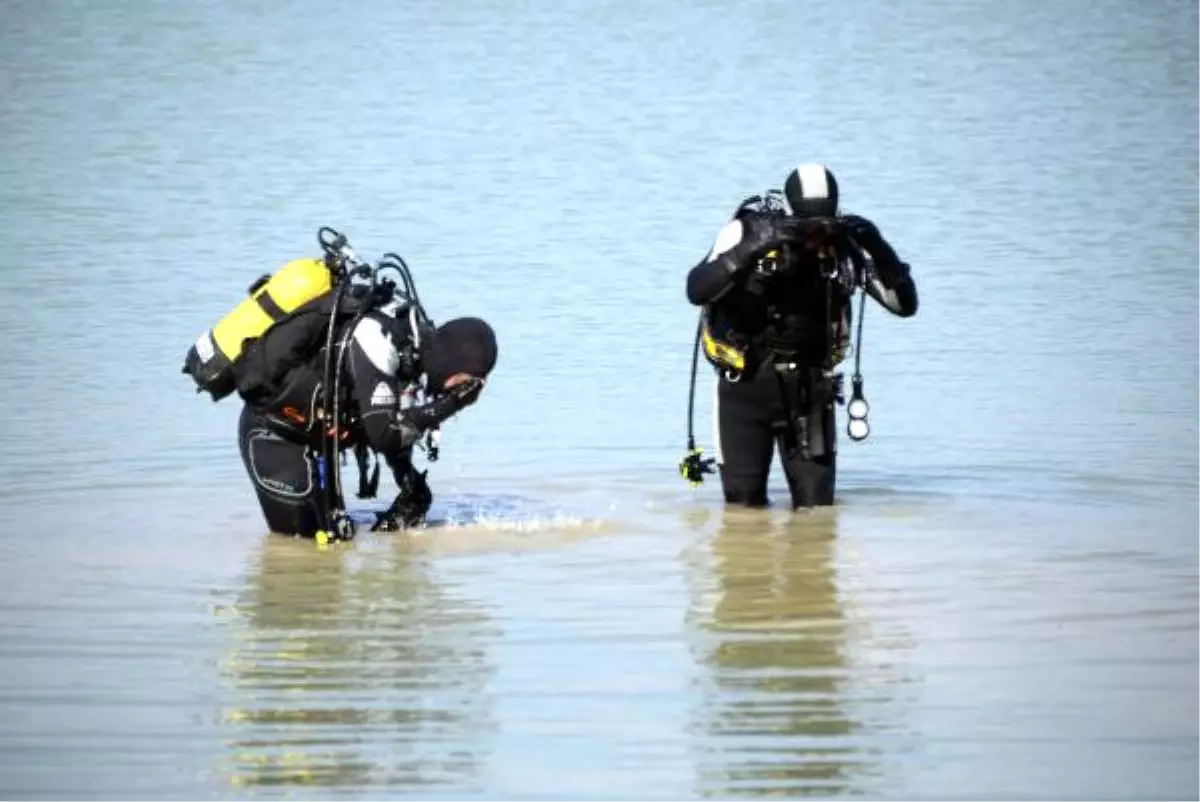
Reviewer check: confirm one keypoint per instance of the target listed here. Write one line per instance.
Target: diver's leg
(283, 475)
(745, 442)
(812, 480)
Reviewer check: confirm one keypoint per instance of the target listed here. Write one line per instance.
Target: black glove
(806, 229)
(432, 414)
(779, 231)
(860, 228)
(813, 234)
(888, 266)
(467, 392)
(759, 235)
(410, 505)
(764, 232)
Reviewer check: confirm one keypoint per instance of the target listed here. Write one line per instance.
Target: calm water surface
(1004, 603)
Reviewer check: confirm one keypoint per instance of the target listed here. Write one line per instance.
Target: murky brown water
(875, 650)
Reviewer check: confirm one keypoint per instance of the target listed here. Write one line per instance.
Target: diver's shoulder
(376, 336)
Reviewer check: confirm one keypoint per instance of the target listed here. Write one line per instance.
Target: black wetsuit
(282, 461)
(796, 323)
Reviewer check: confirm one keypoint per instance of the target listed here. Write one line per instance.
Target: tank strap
(271, 309)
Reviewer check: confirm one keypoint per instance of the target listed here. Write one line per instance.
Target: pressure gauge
(858, 408)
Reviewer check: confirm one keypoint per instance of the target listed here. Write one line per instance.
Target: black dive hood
(463, 345)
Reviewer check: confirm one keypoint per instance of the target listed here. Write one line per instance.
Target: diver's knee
(813, 482)
(745, 500)
(812, 502)
(744, 494)
(809, 500)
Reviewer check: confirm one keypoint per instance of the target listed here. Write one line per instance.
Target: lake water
(1002, 605)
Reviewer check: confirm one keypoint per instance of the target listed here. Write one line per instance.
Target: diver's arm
(714, 276)
(400, 462)
(734, 251)
(374, 364)
(900, 300)
(891, 285)
(707, 282)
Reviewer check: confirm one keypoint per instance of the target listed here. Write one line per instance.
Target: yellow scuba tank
(211, 358)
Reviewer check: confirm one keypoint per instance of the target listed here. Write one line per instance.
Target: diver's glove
(759, 234)
(807, 229)
(860, 228)
(410, 505)
(434, 413)
(888, 266)
(762, 235)
(817, 236)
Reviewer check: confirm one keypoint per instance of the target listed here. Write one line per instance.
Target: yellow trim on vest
(721, 352)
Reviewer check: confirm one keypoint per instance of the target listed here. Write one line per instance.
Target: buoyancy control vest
(282, 374)
(792, 308)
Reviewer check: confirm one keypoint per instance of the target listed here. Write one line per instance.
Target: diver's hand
(866, 236)
(467, 391)
(758, 236)
(736, 251)
(410, 506)
(812, 233)
(860, 228)
(432, 414)
(759, 233)
(417, 498)
(888, 265)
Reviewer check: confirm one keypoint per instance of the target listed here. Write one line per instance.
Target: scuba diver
(775, 293)
(335, 323)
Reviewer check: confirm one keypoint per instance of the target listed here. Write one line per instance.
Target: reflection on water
(354, 669)
(771, 638)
